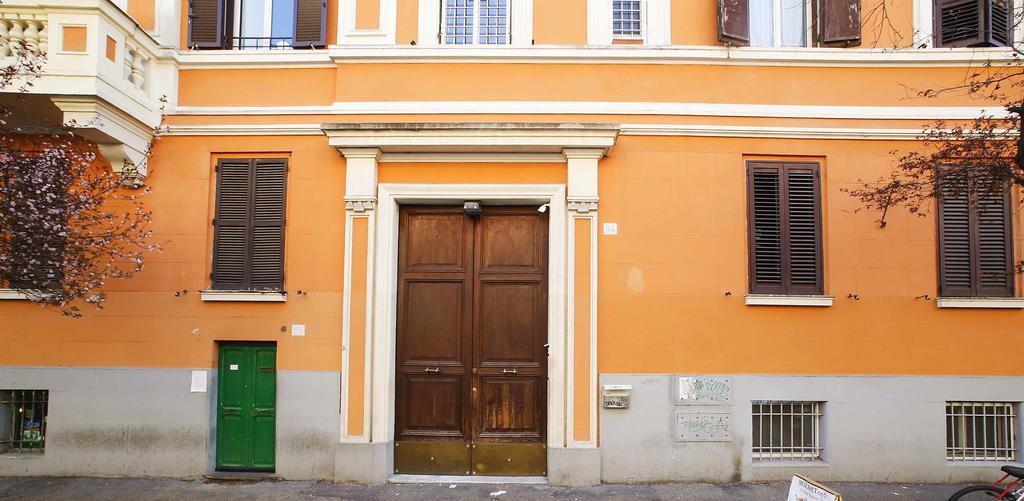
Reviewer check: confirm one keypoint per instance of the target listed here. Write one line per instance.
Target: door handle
(432, 369)
(510, 371)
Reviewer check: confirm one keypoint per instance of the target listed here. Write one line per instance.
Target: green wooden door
(246, 406)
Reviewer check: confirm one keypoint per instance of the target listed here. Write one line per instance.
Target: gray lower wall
(874, 429)
(146, 422)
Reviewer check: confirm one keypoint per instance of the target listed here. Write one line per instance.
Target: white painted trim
(11, 294)
(243, 296)
(385, 293)
(607, 108)
(472, 157)
(570, 320)
(784, 300)
(980, 302)
(448, 138)
(521, 19)
(700, 130)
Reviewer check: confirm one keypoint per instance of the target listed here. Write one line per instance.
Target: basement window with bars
(784, 221)
(981, 431)
(786, 431)
(23, 421)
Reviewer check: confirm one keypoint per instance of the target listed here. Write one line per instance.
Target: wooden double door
(471, 364)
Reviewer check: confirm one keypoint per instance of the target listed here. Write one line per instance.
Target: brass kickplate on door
(510, 459)
(431, 458)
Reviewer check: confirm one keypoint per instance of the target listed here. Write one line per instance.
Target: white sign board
(802, 489)
(198, 382)
(704, 390)
(298, 329)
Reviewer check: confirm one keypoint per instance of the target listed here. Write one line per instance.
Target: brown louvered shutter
(839, 22)
(206, 22)
(973, 23)
(310, 23)
(231, 224)
(784, 228)
(734, 22)
(975, 242)
(267, 243)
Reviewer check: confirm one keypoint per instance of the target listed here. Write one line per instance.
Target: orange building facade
(665, 279)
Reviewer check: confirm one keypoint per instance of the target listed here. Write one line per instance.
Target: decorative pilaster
(581, 344)
(360, 208)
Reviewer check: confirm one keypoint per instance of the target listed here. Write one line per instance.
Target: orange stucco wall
(143, 12)
(560, 23)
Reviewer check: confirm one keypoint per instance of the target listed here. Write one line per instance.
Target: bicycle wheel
(977, 492)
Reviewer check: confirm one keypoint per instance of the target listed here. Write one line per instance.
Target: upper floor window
(975, 235)
(778, 23)
(785, 23)
(257, 24)
(628, 19)
(784, 221)
(476, 22)
(973, 23)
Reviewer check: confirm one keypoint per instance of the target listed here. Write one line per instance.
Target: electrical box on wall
(616, 396)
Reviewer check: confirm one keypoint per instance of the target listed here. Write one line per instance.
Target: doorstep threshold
(241, 476)
(465, 479)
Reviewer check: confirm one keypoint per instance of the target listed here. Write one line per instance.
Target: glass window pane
(794, 25)
(282, 26)
(253, 17)
(761, 33)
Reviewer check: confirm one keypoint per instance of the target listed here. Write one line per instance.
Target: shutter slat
(802, 210)
(231, 231)
(268, 215)
(206, 24)
(766, 229)
(995, 266)
(310, 23)
(973, 23)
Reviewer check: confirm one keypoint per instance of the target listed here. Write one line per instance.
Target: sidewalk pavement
(87, 489)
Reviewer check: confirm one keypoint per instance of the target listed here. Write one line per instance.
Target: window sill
(785, 300)
(11, 294)
(244, 296)
(785, 463)
(980, 302)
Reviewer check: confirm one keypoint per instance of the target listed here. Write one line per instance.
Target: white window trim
(383, 35)
(11, 294)
(656, 23)
(243, 296)
(787, 300)
(520, 24)
(924, 24)
(980, 302)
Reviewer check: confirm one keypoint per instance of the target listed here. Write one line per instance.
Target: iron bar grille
(981, 431)
(626, 19)
(23, 416)
(786, 431)
(251, 43)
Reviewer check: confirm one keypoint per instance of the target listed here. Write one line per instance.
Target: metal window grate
(627, 16)
(981, 431)
(472, 22)
(786, 431)
(23, 420)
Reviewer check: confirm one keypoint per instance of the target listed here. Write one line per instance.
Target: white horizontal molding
(471, 138)
(11, 294)
(699, 130)
(787, 300)
(608, 108)
(980, 302)
(244, 296)
(756, 56)
(245, 59)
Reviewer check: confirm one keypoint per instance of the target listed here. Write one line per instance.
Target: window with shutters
(973, 23)
(257, 24)
(476, 22)
(975, 239)
(788, 23)
(36, 241)
(784, 228)
(248, 246)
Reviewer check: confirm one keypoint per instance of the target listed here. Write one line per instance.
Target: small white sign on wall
(704, 390)
(198, 382)
(233, 367)
(298, 329)
(610, 228)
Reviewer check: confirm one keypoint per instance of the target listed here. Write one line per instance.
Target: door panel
(472, 326)
(246, 407)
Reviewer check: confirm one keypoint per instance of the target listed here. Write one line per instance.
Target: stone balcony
(101, 71)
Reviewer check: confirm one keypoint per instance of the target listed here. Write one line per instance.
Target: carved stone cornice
(360, 205)
(581, 206)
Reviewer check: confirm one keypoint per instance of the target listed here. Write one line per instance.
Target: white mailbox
(616, 396)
